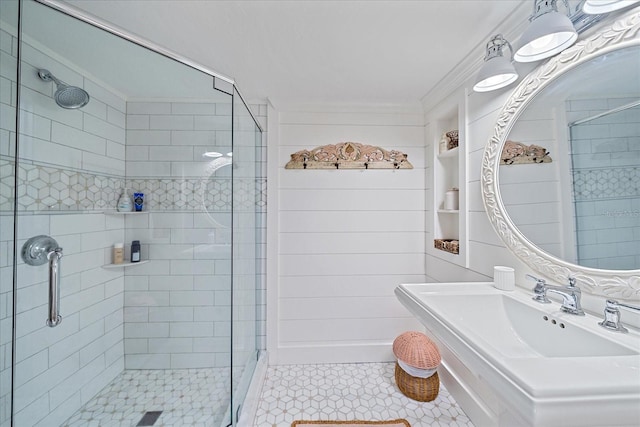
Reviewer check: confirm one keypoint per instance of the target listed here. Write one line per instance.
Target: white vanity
(511, 361)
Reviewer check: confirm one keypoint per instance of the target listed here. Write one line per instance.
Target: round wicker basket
(417, 350)
(420, 389)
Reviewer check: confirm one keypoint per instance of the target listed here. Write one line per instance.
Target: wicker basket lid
(417, 350)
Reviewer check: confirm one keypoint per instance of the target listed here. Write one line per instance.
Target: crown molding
(287, 105)
(511, 28)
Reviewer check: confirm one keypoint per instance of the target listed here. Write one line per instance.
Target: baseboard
(317, 354)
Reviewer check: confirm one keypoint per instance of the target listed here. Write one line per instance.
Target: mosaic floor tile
(198, 398)
(364, 391)
(186, 397)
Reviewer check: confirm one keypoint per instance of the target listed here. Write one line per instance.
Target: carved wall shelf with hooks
(348, 155)
(517, 153)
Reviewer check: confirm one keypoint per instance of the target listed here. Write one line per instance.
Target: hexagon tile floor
(363, 391)
(186, 397)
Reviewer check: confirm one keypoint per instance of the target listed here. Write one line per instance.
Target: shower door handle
(39, 250)
(54, 287)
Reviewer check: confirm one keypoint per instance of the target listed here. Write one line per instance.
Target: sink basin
(518, 329)
(512, 361)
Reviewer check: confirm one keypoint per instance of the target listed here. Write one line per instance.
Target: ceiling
(74, 49)
(322, 51)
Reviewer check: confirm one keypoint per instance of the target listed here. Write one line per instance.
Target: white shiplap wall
(345, 239)
(532, 193)
(485, 247)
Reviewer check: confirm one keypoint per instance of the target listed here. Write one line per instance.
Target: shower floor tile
(363, 391)
(186, 397)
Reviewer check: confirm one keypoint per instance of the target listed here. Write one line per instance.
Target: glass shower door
(150, 125)
(155, 125)
(70, 166)
(246, 136)
(8, 102)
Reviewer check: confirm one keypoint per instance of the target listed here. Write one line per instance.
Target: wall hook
(348, 155)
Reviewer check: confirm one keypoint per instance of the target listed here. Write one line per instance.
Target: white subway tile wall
(172, 312)
(177, 306)
(71, 168)
(606, 183)
(8, 92)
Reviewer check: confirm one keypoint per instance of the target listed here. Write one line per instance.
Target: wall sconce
(549, 32)
(497, 71)
(595, 7)
(212, 154)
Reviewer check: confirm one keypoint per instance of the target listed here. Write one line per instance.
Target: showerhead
(66, 96)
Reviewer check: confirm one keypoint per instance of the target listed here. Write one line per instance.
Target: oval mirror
(561, 173)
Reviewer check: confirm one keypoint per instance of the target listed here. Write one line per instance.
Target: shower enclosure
(606, 185)
(171, 339)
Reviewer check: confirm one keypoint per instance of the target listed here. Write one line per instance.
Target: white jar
(444, 143)
(451, 200)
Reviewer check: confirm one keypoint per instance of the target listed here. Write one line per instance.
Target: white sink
(529, 363)
(517, 329)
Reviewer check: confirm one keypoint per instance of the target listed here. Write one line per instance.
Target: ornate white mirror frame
(623, 284)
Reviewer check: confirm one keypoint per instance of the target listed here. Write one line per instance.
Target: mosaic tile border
(48, 189)
(606, 183)
(45, 188)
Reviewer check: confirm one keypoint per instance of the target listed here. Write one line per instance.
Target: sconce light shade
(497, 71)
(595, 7)
(549, 32)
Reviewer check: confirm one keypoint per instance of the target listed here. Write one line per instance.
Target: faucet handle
(540, 290)
(572, 281)
(611, 319)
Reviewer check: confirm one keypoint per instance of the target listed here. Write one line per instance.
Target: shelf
(451, 246)
(125, 213)
(448, 171)
(446, 251)
(125, 264)
(449, 153)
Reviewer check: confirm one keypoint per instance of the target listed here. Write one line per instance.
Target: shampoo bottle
(135, 251)
(124, 202)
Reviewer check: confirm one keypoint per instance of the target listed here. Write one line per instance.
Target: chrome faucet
(539, 291)
(570, 294)
(612, 315)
